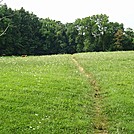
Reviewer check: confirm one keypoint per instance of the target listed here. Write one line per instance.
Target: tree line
(25, 33)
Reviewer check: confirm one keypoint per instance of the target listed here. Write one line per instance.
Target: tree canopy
(22, 32)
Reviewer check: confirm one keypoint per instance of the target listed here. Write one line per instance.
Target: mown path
(99, 120)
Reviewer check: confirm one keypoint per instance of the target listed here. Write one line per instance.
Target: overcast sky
(121, 11)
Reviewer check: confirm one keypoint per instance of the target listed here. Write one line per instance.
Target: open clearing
(82, 94)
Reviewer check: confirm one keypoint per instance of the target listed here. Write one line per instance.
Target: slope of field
(114, 73)
(67, 94)
(43, 95)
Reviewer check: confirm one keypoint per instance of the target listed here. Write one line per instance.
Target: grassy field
(43, 95)
(50, 95)
(114, 73)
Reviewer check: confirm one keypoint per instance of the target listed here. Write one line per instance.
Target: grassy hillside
(43, 95)
(114, 73)
(67, 94)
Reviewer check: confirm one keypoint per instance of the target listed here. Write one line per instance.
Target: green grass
(114, 71)
(43, 95)
(48, 94)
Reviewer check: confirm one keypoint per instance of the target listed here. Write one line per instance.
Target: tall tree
(5, 26)
(71, 33)
(2, 32)
(99, 31)
(51, 30)
(128, 43)
(118, 37)
(54, 35)
(80, 36)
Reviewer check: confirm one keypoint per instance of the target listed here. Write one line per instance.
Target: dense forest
(22, 33)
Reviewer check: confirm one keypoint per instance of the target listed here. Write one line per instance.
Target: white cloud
(69, 10)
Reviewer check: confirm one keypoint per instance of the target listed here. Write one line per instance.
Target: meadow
(43, 94)
(51, 95)
(114, 72)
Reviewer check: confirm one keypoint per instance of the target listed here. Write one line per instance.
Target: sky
(121, 11)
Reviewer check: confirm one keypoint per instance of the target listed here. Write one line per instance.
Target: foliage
(118, 40)
(25, 33)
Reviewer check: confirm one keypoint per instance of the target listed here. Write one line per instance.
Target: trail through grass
(114, 73)
(99, 120)
(50, 95)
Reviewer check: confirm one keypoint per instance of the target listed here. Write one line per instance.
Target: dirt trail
(99, 121)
